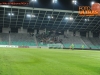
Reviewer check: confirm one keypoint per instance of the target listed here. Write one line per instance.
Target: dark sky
(61, 4)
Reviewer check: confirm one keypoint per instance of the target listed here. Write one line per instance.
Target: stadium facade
(37, 27)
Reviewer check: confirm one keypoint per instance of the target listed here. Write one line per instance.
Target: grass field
(48, 62)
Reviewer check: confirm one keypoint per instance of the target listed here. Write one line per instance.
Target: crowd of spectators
(47, 38)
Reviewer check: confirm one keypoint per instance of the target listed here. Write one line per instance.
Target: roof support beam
(3, 17)
(42, 9)
(17, 18)
(24, 18)
(91, 22)
(42, 20)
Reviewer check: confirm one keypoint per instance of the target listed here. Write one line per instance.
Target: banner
(9, 46)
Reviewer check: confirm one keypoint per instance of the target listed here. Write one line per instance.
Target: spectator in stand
(82, 47)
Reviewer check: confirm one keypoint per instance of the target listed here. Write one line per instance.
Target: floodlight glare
(54, 1)
(33, 16)
(87, 20)
(5, 6)
(71, 18)
(92, 2)
(28, 15)
(66, 18)
(9, 14)
(74, 2)
(12, 14)
(34, 0)
(48, 16)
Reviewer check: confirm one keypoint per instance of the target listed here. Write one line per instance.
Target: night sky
(61, 4)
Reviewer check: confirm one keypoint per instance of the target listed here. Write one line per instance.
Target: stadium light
(92, 2)
(66, 18)
(5, 6)
(74, 2)
(34, 0)
(54, 1)
(87, 20)
(50, 17)
(33, 16)
(10, 14)
(28, 15)
(69, 18)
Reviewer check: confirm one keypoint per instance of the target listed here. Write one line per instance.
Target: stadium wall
(21, 30)
(6, 30)
(14, 46)
(87, 34)
(77, 33)
(70, 33)
(41, 31)
(90, 34)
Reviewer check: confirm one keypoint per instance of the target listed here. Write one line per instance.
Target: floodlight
(71, 18)
(12, 14)
(92, 2)
(66, 18)
(34, 0)
(74, 2)
(5, 6)
(33, 16)
(87, 20)
(9, 14)
(28, 15)
(49, 17)
(54, 1)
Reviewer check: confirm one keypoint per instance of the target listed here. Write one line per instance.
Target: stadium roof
(52, 19)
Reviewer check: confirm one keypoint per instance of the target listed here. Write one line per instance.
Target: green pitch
(48, 62)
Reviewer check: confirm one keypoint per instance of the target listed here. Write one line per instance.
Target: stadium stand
(77, 41)
(17, 39)
(89, 43)
(22, 40)
(4, 39)
(44, 40)
(95, 42)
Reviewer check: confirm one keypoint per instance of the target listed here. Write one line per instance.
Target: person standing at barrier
(82, 47)
(72, 46)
